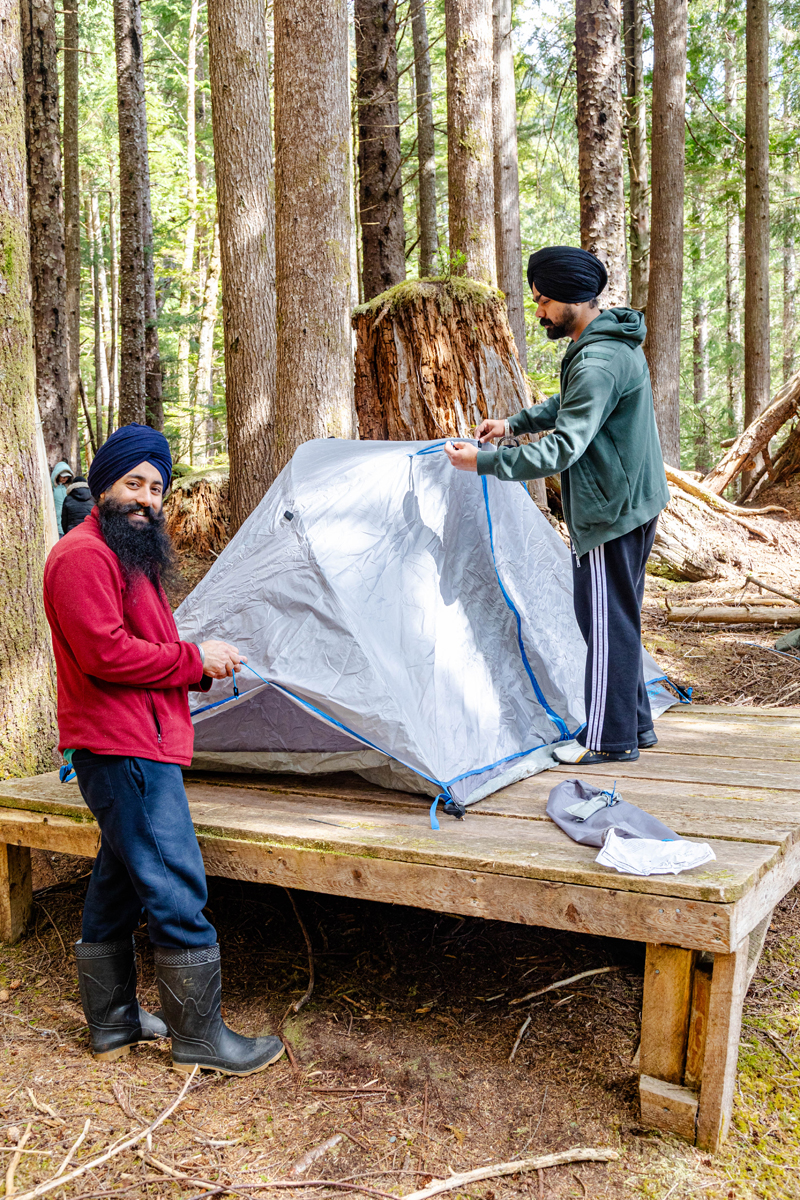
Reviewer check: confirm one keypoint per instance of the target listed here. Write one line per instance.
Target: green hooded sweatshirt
(60, 490)
(604, 439)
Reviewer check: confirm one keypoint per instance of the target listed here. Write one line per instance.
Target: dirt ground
(400, 1064)
(402, 1053)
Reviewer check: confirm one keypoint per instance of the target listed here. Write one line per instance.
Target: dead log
(736, 615)
(684, 480)
(434, 358)
(756, 437)
(198, 512)
(695, 541)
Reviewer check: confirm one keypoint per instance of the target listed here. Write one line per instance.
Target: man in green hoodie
(601, 436)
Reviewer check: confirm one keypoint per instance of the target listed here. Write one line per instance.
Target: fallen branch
(682, 480)
(67, 1158)
(769, 587)
(552, 987)
(60, 1180)
(12, 1166)
(298, 1004)
(737, 614)
(757, 435)
(512, 1168)
(520, 1036)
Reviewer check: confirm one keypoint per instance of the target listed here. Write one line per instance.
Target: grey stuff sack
(610, 812)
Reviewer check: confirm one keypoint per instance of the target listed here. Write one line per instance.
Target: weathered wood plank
(698, 1024)
(668, 1107)
(665, 1011)
(725, 709)
(728, 988)
(690, 768)
(15, 891)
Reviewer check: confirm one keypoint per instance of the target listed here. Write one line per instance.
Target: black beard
(141, 549)
(554, 332)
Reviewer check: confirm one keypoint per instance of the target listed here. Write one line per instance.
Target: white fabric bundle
(646, 856)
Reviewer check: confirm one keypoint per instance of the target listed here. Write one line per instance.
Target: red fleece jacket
(123, 673)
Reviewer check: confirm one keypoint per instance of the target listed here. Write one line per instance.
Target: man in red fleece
(124, 724)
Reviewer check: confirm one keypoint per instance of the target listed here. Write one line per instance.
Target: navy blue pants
(608, 589)
(149, 857)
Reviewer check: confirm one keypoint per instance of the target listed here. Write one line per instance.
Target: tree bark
(113, 264)
(468, 26)
(154, 386)
(312, 228)
(240, 112)
(702, 448)
(663, 344)
(128, 46)
(732, 264)
(204, 384)
(598, 59)
(507, 233)
(102, 394)
(48, 263)
(72, 223)
(433, 360)
(789, 256)
(756, 217)
(379, 176)
(190, 236)
(27, 709)
(426, 142)
(639, 195)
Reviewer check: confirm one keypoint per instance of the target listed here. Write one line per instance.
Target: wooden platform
(727, 776)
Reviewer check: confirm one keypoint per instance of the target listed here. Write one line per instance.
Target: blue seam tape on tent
(685, 697)
(554, 717)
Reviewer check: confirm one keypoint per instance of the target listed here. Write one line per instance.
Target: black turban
(125, 449)
(567, 274)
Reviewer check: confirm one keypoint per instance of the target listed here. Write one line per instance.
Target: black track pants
(608, 591)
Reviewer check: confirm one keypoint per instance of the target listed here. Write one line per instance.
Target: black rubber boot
(647, 739)
(107, 979)
(190, 984)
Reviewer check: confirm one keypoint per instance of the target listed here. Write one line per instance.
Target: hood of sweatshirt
(621, 324)
(60, 468)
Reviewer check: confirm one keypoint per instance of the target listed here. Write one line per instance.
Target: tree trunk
(27, 709)
(240, 112)
(663, 344)
(507, 233)
(154, 387)
(187, 280)
(702, 448)
(468, 25)
(598, 60)
(433, 360)
(426, 145)
(732, 264)
(48, 264)
(132, 390)
(101, 383)
(639, 195)
(113, 357)
(204, 385)
(312, 228)
(756, 214)
(379, 176)
(789, 256)
(104, 313)
(72, 223)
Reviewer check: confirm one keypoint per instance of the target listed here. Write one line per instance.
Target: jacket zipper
(156, 721)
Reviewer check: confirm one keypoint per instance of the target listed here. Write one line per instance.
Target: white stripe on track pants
(608, 593)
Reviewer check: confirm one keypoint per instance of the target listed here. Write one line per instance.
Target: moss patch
(455, 288)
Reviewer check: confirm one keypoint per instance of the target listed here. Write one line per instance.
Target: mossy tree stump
(434, 358)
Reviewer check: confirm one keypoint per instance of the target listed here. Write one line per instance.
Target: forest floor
(403, 1051)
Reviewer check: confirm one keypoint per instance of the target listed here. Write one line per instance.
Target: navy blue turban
(125, 449)
(567, 274)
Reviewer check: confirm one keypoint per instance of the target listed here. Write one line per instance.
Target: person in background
(59, 478)
(78, 503)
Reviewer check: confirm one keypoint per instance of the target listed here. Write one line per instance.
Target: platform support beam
(16, 896)
(729, 982)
